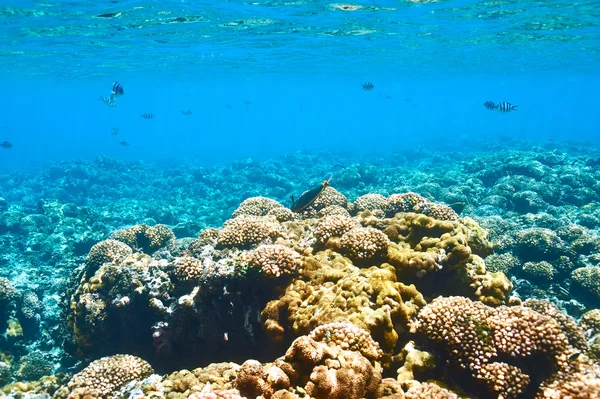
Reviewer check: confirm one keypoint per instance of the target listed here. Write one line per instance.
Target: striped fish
(368, 86)
(490, 105)
(506, 107)
(147, 115)
(117, 90)
(109, 101)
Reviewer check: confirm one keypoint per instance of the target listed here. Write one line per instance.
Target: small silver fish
(186, 112)
(147, 115)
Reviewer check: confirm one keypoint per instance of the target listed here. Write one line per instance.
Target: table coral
(104, 378)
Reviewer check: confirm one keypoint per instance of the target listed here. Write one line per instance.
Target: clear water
(268, 77)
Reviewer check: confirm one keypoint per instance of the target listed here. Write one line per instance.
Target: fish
(6, 144)
(186, 112)
(506, 107)
(117, 90)
(368, 86)
(490, 105)
(109, 101)
(124, 143)
(247, 102)
(115, 131)
(229, 106)
(309, 197)
(147, 115)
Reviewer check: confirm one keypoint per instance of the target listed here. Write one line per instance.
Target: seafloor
(417, 274)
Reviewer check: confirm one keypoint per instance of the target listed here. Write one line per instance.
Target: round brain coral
(106, 251)
(334, 226)
(246, 230)
(348, 337)
(370, 202)
(363, 243)
(106, 376)
(256, 206)
(274, 261)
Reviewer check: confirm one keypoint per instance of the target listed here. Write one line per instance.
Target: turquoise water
(264, 99)
(264, 78)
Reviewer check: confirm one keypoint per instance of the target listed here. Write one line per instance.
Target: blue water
(265, 78)
(273, 93)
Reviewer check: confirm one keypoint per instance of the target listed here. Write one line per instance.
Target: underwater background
(299, 199)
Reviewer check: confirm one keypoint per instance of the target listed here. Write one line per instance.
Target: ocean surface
(135, 225)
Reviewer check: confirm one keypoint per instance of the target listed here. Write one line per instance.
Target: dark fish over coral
(147, 115)
(124, 143)
(110, 101)
(368, 86)
(186, 112)
(308, 197)
(117, 90)
(490, 105)
(506, 107)
(6, 144)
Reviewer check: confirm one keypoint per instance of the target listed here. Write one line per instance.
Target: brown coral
(371, 203)
(188, 269)
(474, 335)
(106, 376)
(348, 337)
(334, 226)
(273, 261)
(364, 243)
(256, 206)
(407, 202)
(104, 252)
(331, 289)
(144, 237)
(246, 230)
(428, 390)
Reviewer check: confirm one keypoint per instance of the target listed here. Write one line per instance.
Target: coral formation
(105, 377)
